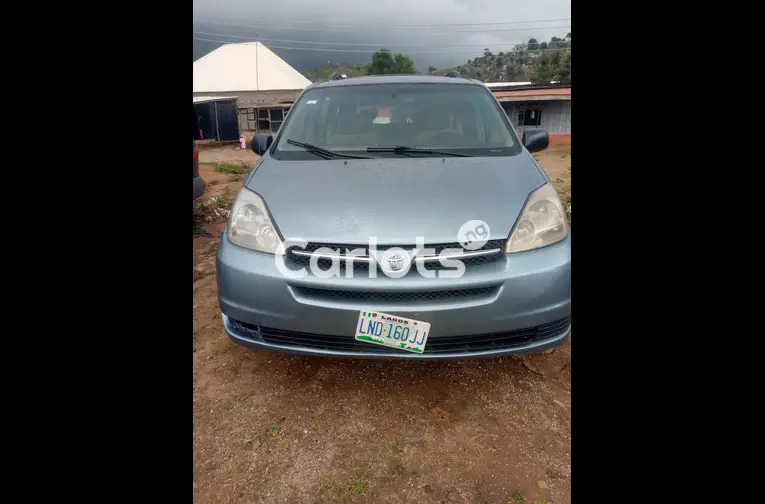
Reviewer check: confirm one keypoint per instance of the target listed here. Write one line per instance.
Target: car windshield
(459, 118)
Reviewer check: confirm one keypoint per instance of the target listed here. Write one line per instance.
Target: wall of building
(260, 111)
(254, 99)
(555, 115)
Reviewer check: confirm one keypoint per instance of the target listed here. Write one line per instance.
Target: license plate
(392, 331)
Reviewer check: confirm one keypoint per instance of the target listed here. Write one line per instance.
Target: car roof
(396, 79)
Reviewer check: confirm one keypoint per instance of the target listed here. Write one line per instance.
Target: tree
(533, 45)
(386, 63)
(432, 69)
(552, 66)
(543, 46)
(499, 61)
(568, 35)
(487, 53)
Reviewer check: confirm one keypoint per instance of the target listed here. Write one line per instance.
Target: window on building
(262, 120)
(529, 115)
(277, 116)
(247, 120)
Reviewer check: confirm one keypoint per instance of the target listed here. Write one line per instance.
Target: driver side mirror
(261, 143)
(535, 140)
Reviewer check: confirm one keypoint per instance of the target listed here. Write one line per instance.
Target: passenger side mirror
(535, 139)
(261, 143)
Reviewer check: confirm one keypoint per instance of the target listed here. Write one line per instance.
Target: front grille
(341, 249)
(396, 296)
(435, 345)
(313, 246)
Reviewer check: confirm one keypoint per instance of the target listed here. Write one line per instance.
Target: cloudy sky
(308, 33)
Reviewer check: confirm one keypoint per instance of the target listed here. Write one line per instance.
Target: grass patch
(211, 210)
(272, 430)
(356, 485)
(233, 168)
(517, 497)
(398, 447)
(552, 474)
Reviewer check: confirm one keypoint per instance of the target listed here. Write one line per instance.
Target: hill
(534, 61)
(322, 73)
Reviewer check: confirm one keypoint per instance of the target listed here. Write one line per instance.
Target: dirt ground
(227, 153)
(273, 428)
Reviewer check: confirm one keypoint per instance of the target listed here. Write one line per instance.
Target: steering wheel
(445, 139)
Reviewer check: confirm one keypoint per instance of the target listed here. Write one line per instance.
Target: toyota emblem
(394, 260)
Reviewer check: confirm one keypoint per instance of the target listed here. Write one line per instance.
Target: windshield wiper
(326, 154)
(402, 149)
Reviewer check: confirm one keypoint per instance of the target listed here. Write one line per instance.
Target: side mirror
(261, 143)
(535, 139)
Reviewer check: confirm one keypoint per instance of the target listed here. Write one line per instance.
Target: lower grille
(435, 345)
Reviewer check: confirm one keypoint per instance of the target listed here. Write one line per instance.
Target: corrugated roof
(533, 92)
(503, 84)
(250, 66)
(205, 99)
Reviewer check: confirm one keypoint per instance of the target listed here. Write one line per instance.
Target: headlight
(542, 222)
(250, 225)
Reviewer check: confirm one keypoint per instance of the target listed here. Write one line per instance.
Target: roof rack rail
(337, 76)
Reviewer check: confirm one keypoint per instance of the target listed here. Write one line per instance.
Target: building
(529, 105)
(264, 85)
(216, 118)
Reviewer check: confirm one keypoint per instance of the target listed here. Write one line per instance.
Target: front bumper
(511, 299)
(199, 187)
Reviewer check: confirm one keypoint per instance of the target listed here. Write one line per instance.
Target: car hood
(394, 199)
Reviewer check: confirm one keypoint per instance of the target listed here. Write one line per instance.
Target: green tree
(386, 63)
(532, 45)
(552, 66)
(499, 62)
(543, 46)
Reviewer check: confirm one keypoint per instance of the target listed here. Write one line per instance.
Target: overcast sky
(357, 26)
